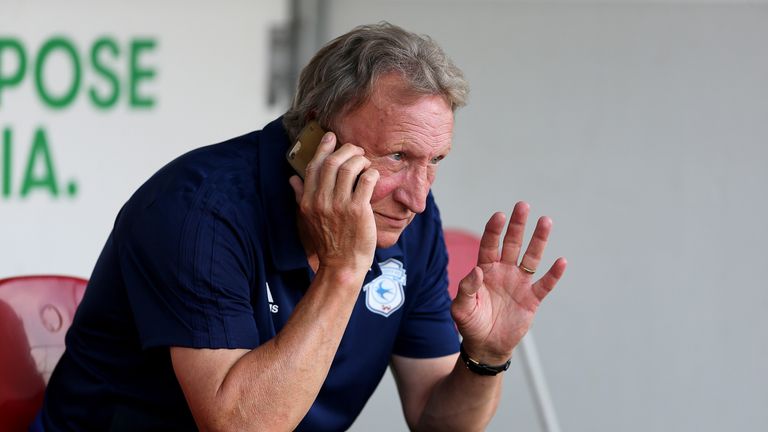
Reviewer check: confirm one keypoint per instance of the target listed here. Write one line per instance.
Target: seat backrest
(462, 256)
(35, 313)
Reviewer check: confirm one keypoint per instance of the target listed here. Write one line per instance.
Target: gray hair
(340, 77)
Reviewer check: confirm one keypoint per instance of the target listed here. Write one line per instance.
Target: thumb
(466, 297)
(298, 187)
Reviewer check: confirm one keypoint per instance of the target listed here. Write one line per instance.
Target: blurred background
(640, 127)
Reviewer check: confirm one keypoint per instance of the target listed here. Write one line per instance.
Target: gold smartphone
(305, 147)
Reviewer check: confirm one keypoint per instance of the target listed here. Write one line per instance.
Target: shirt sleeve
(428, 329)
(187, 274)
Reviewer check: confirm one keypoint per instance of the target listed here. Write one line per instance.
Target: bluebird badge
(384, 295)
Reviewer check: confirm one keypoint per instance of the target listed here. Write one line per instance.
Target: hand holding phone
(334, 200)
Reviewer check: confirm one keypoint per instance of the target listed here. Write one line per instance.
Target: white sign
(96, 96)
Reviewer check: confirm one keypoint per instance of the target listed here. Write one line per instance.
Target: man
(232, 295)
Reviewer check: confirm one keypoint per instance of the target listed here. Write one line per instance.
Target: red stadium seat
(462, 256)
(35, 313)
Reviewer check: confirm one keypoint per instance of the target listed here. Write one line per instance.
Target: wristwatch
(482, 368)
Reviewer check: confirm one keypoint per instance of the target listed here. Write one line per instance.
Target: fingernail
(475, 275)
(327, 137)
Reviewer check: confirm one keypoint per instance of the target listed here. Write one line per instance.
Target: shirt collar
(280, 204)
(382, 255)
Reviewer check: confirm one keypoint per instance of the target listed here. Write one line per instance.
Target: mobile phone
(305, 147)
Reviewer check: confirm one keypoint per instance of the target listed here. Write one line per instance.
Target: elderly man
(233, 295)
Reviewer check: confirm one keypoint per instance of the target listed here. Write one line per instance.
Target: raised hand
(498, 299)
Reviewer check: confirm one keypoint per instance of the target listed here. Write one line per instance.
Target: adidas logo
(272, 306)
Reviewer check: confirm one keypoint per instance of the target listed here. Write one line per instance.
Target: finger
(348, 173)
(330, 168)
(365, 185)
(489, 242)
(513, 239)
(547, 283)
(298, 187)
(466, 297)
(538, 243)
(312, 172)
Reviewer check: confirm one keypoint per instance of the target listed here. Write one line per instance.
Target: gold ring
(527, 270)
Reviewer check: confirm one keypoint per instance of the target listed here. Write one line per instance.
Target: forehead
(393, 115)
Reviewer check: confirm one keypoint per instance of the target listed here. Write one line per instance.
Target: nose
(412, 192)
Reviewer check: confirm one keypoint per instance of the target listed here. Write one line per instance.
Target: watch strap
(482, 368)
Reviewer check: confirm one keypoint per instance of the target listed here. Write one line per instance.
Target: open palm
(498, 299)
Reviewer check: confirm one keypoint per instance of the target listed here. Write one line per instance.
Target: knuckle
(333, 161)
(338, 204)
(316, 203)
(310, 168)
(356, 160)
(369, 176)
(324, 206)
(364, 180)
(305, 206)
(348, 168)
(357, 210)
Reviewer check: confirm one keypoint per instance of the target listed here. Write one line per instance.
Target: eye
(435, 160)
(397, 156)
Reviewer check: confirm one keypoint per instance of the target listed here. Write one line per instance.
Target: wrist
(348, 265)
(484, 366)
(484, 355)
(348, 276)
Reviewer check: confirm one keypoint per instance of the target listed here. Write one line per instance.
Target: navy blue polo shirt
(206, 255)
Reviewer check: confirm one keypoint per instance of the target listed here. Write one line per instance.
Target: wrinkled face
(405, 138)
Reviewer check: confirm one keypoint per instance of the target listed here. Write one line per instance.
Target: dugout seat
(35, 313)
(462, 256)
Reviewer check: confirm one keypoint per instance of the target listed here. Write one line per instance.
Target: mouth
(399, 222)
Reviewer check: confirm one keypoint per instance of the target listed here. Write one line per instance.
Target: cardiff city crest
(384, 295)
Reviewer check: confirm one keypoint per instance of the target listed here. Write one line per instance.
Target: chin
(387, 239)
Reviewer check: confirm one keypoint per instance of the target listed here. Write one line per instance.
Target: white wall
(642, 129)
